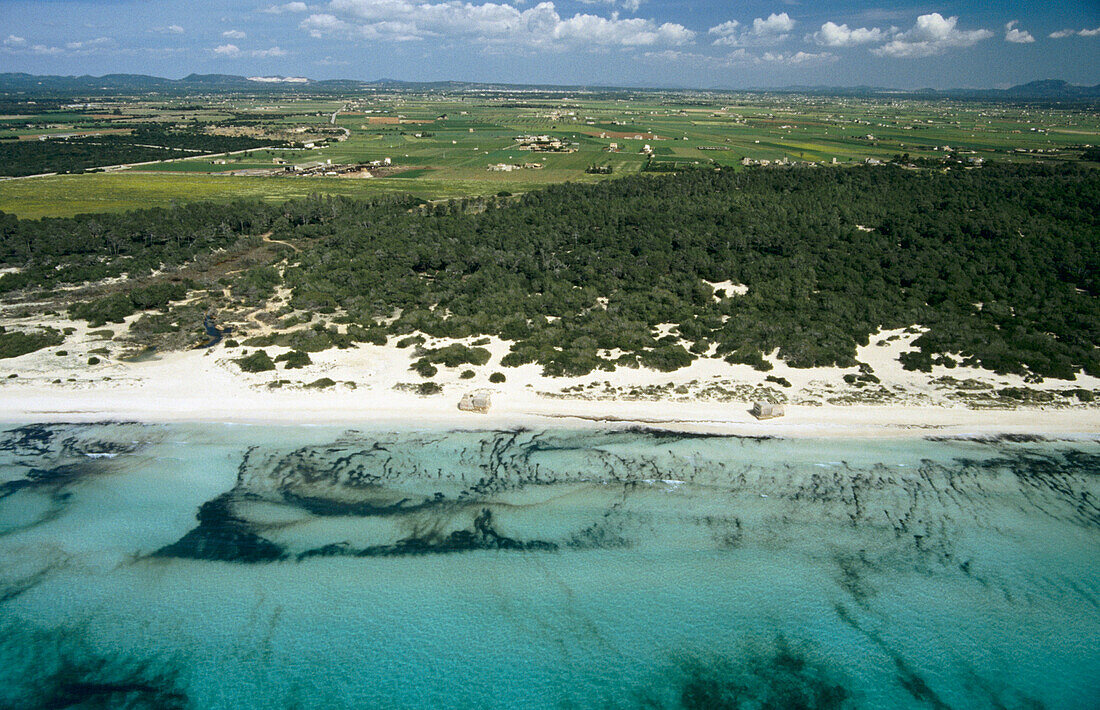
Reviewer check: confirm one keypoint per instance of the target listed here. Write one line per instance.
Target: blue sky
(693, 43)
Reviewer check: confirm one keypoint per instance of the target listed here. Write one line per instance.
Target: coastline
(395, 410)
(370, 386)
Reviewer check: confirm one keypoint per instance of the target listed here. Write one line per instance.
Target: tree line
(1001, 265)
(142, 144)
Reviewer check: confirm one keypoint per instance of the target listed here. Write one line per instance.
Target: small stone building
(475, 402)
(763, 410)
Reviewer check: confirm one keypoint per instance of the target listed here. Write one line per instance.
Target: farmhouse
(311, 166)
(542, 144)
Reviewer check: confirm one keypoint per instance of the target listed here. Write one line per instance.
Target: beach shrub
(117, 306)
(666, 358)
(518, 357)
(318, 338)
(93, 360)
(312, 340)
(111, 309)
(258, 361)
(256, 284)
(428, 388)
(412, 340)
(863, 378)
(322, 383)
(374, 335)
(150, 324)
(916, 360)
(497, 377)
(467, 374)
(14, 343)
(294, 359)
(424, 368)
(747, 355)
(157, 295)
(781, 381)
(569, 362)
(456, 354)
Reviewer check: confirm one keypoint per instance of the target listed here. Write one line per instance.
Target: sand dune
(710, 395)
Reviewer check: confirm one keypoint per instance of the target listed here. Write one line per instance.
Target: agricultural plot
(465, 143)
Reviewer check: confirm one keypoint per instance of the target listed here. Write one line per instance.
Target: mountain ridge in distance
(19, 82)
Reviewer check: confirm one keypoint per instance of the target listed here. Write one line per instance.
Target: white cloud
(834, 35)
(232, 51)
(774, 25)
(322, 24)
(1070, 33)
(265, 53)
(288, 7)
(18, 45)
(932, 34)
(726, 29)
(771, 30)
(592, 29)
(675, 55)
(234, 34)
(490, 23)
(798, 58)
(1017, 36)
(89, 45)
(631, 5)
(169, 30)
(741, 56)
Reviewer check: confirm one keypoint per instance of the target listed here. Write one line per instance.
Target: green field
(461, 135)
(67, 195)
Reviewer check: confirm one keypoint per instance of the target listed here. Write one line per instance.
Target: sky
(655, 43)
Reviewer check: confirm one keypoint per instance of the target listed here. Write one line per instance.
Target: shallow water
(278, 567)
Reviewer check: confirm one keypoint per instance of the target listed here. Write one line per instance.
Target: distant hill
(1043, 90)
(1053, 89)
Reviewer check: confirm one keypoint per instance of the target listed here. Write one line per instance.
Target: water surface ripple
(162, 566)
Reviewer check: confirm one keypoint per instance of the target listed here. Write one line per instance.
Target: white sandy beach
(206, 385)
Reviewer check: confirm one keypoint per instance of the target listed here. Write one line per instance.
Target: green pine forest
(1000, 264)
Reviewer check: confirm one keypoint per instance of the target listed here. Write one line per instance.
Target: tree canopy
(1000, 264)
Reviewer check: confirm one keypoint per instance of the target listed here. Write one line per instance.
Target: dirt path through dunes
(266, 236)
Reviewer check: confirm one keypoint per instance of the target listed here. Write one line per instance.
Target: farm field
(465, 143)
(68, 195)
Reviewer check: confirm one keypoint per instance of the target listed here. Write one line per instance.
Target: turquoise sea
(231, 566)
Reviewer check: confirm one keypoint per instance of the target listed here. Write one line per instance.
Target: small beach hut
(763, 410)
(475, 402)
